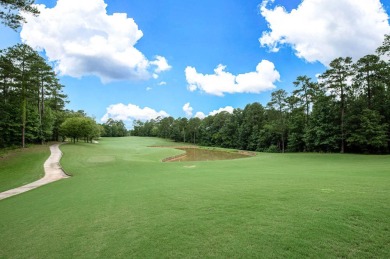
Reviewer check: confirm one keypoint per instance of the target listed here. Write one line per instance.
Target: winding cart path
(53, 172)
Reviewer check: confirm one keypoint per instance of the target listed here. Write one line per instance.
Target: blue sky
(165, 57)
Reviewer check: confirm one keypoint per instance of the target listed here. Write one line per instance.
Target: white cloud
(148, 88)
(131, 112)
(228, 109)
(161, 64)
(224, 82)
(322, 30)
(82, 39)
(200, 115)
(188, 109)
(162, 83)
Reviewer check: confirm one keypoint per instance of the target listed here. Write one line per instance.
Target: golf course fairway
(123, 202)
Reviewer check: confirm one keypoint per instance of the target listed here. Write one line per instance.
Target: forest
(347, 109)
(32, 104)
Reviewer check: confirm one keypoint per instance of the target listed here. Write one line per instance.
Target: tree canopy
(32, 104)
(348, 110)
(10, 12)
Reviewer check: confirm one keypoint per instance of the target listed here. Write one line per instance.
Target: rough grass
(22, 166)
(123, 202)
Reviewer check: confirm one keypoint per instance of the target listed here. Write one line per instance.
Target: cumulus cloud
(228, 109)
(322, 30)
(82, 39)
(187, 109)
(131, 112)
(162, 83)
(161, 64)
(224, 82)
(200, 115)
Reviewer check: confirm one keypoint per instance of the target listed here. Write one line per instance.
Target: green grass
(22, 166)
(122, 202)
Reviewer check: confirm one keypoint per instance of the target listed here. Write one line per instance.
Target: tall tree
(183, 126)
(384, 49)
(371, 134)
(337, 80)
(114, 128)
(323, 131)
(29, 92)
(297, 124)
(277, 107)
(23, 58)
(369, 74)
(42, 78)
(9, 105)
(56, 100)
(10, 12)
(165, 127)
(306, 91)
(253, 119)
(230, 131)
(193, 129)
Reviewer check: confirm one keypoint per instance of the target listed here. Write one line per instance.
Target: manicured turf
(123, 202)
(22, 166)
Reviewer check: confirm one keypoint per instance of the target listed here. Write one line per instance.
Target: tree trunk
(24, 107)
(342, 149)
(42, 111)
(369, 93)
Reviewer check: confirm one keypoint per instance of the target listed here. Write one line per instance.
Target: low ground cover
(122, 201)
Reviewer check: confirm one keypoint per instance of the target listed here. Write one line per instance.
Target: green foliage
(47, 125)
(348, 111)
(296, 130)
(272, 149)
(31, 102)
(9, 12)
(113, 128)
(323, 132)
(371, 132)
(80, 127)
(252, 120)
(336, 80)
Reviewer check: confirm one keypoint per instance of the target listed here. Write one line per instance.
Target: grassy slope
(123, 202)
(22, 166)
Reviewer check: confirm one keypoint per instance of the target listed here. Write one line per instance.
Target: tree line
(346, 110)
(32, 104)
(32, 101)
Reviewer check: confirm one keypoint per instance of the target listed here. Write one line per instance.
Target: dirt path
(53, 172)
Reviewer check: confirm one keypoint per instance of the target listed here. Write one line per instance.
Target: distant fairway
(122, 201)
